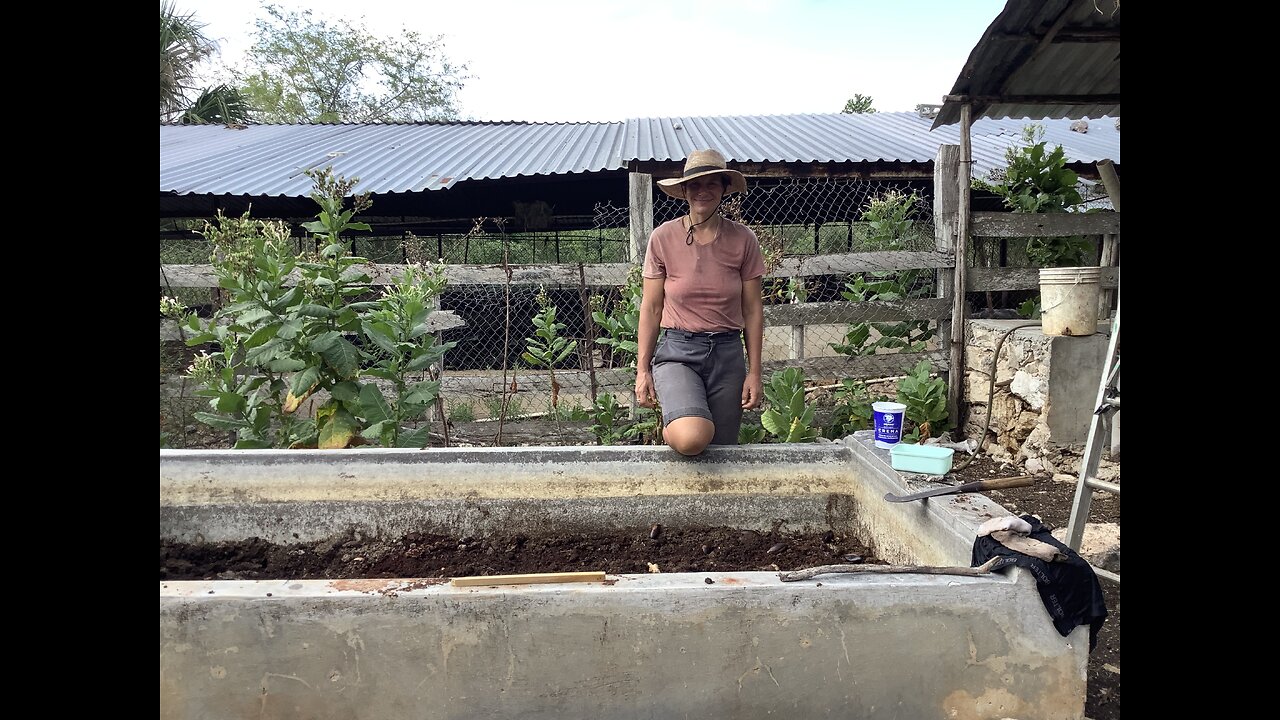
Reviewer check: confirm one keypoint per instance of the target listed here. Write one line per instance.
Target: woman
(702, 276)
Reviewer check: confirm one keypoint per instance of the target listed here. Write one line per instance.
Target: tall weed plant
(296, 325)
(926, 401)
(547, 348)
(788, 418)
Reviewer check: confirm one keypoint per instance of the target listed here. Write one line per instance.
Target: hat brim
(675, 186)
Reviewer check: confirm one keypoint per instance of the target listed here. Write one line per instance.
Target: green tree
(858, 104)
(220, 104)
(183, 47)
(303, 69)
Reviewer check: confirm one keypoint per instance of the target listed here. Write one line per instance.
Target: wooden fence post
(1110, 241)
(946, 234)
(640, 194)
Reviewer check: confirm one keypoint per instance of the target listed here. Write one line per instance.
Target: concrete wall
(636, 646)
(1045, 386)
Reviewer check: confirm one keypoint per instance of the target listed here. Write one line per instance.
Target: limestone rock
(1100, 544)
(1030, 388)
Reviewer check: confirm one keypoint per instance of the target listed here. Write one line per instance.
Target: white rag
(1008, 522)
(1013, 532)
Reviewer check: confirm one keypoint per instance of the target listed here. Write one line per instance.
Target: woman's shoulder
(738, 228)
(670, 227)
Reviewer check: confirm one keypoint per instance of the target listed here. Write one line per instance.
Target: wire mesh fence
(842, 274)
(797, 220)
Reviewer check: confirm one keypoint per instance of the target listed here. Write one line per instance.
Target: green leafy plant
(398, 329)
(494, 406)
(461, 411)
(1030, 309)
(260, 337)
(607, 419)
(926, 401)
(1037, 180)
(750, 434)
(646, 427)
(788, 417)
(611, 425)
(288, 334)
(891, 222)
(621, 325)
(547, 348)
(851, 411)
(571, 413)
(792, 290)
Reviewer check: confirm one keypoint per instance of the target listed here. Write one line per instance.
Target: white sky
(577, 60)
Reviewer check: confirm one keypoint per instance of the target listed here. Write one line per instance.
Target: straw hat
(700, 163)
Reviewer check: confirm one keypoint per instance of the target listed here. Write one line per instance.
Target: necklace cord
(688, 238)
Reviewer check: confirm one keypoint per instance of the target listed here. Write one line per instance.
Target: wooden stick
(994, 563)
(527, 579)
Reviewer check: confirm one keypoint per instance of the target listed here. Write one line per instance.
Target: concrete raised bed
(635, 646)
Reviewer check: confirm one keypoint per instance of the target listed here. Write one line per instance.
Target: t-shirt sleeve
(753, 259)
(654, 266)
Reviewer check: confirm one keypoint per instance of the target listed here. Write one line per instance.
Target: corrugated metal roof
(872, 137)
(828, 137)
(268, 160)
(1065, 52)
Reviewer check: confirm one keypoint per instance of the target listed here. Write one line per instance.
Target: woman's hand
(645, 395)
(752, 392)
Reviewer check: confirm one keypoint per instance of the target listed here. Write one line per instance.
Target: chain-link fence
(846, 259)
(797, 221)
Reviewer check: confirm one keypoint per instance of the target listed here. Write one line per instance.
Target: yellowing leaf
(339, 431)
(291, 401)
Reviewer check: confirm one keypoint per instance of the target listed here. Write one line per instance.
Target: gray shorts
(701, 375)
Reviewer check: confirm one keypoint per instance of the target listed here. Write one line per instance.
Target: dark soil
(645, 549)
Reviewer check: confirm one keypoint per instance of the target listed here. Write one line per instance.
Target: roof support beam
(1104, 99)
(1071, 35)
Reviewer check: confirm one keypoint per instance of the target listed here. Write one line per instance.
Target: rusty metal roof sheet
(1043, 58)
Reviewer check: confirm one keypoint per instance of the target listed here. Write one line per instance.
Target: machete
(978, 486)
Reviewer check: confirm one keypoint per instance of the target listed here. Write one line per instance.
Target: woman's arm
(646, 338)
(753, 330)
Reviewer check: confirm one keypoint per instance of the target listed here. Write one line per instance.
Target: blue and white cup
(888, 423)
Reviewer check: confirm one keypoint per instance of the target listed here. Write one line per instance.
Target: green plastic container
(928, 459)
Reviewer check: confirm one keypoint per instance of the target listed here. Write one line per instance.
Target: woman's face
(704, 193)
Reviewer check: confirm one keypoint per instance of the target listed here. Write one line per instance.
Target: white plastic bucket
(1069, 300)
(888, 422)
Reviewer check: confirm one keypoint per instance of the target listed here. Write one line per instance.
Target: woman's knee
(689, 435)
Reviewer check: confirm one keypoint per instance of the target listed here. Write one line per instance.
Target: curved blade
(978, 486)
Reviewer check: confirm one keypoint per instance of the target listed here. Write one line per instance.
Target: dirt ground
(628, 550)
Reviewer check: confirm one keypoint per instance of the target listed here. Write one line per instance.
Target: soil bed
(623, 551)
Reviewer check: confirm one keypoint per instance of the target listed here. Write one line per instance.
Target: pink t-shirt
(703, 283)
